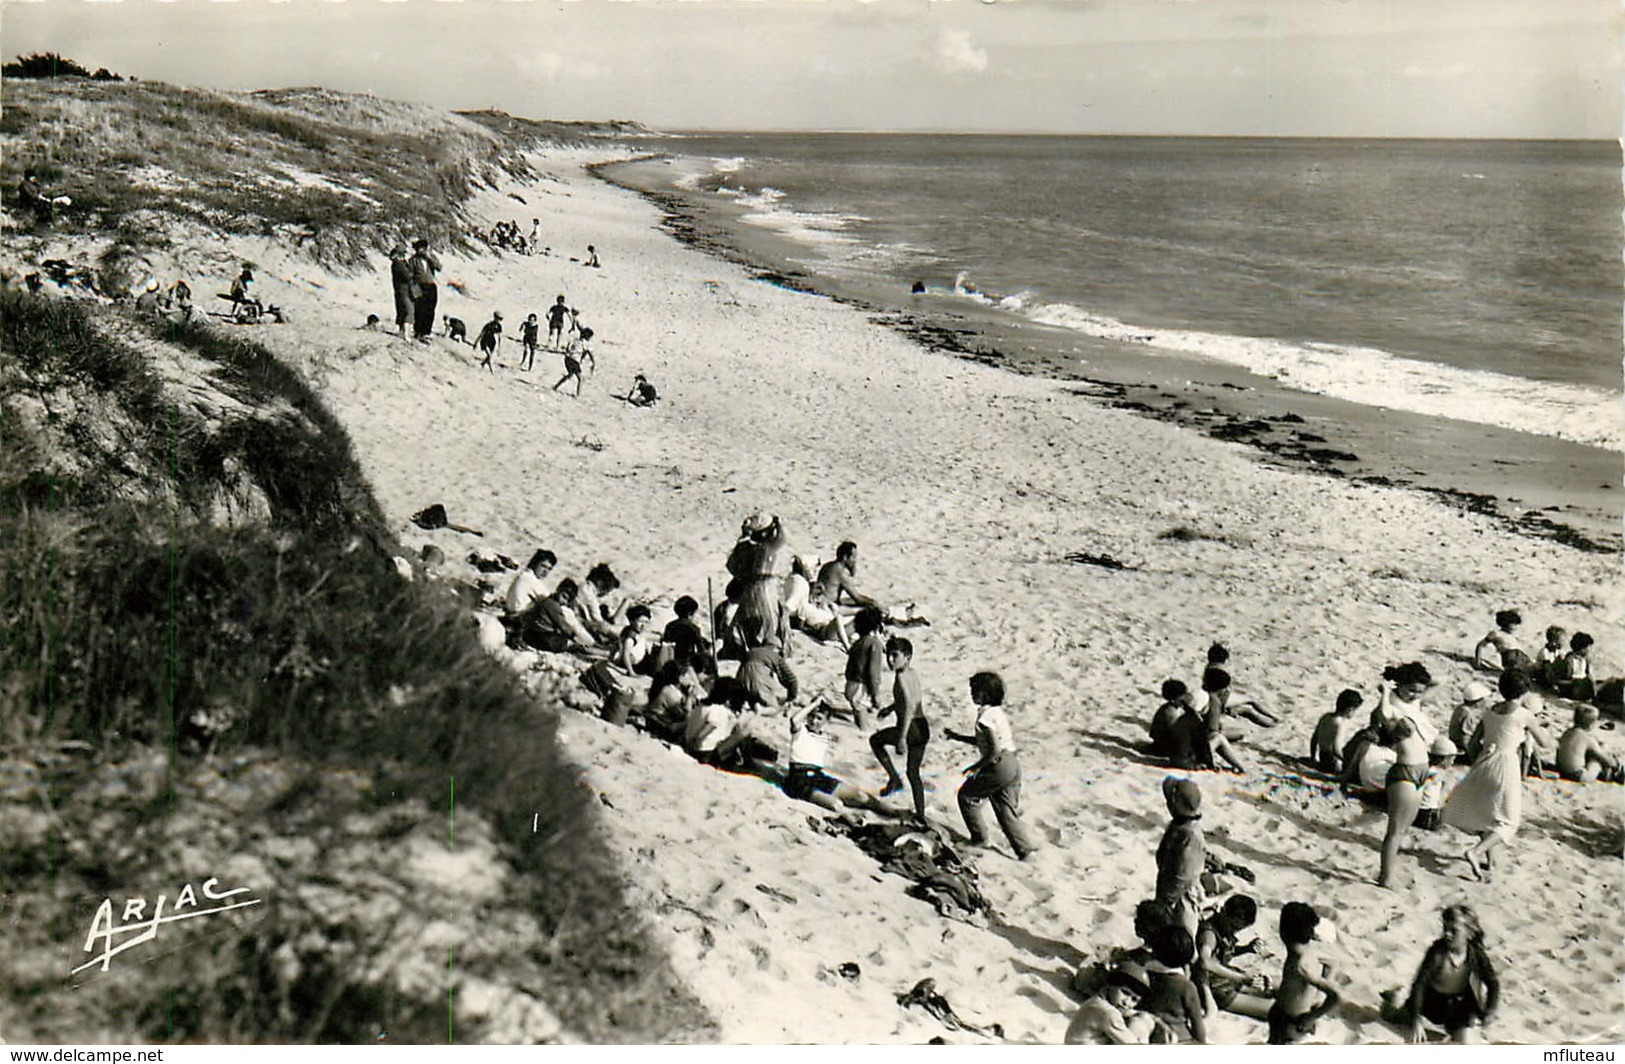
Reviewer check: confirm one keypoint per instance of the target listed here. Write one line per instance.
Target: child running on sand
(556, 314)
(911, 733)
(1304, 976)
(1455, 985)
(575, 353)
(528, 337)
(1581, 758)
(489, 333)
(1333, 732)
(996, 775)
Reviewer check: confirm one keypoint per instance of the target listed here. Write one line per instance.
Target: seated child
(1333, 731)
(806, 780)
(676, 690)
(1220, 985)
(1581, 758)
(1507, 653)
(1549, 658)
(687, 642)
(1150, 917)
(1173, 998)
(1113, 1017)
(1175, 696)
(1476, 699)
(1430, 804)
(1304, 976)
(1576, 680)
(1235, 705)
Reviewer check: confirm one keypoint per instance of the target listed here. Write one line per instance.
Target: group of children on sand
(1190, 963)
(562, 320)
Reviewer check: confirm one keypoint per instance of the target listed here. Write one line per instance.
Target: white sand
(966, 487)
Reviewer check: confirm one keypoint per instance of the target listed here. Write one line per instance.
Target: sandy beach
(967, 488)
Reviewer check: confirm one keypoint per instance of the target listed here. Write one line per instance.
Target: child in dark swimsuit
(1303, 974)
(1455, 986)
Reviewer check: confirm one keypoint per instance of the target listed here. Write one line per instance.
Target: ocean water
(1474, 280)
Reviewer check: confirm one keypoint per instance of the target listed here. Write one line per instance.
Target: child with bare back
(866, 665)
(806, 780)
(1305, 975)
(911, 733)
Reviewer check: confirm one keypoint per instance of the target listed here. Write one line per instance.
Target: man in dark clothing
(425, 291)
(400, 280)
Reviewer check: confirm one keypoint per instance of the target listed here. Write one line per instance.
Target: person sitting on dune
(1221, 986)
(1549, 658)
(1174, 998)
(683, 635)
(1176, 697)
(805, 779)
(1216, 684)
(1508, 654)
(1576, 682)
(599, 615)
(677, 688)
(1333, 732)
(526, 589)
(612, 679)
(807, 609)
(765, 680)
(1581, 758)
(837, 581)
(553, 625)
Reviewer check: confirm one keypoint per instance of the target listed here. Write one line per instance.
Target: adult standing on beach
(760, 560)
(1489, 801)
(425, 289)
(400, 282)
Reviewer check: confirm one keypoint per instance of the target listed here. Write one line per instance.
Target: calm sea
(1474, 280)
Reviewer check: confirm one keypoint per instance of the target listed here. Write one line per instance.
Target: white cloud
(956, 51)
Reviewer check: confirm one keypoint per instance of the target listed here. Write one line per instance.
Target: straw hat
(1475, 692)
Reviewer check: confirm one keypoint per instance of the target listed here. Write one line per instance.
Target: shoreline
(1554, 489)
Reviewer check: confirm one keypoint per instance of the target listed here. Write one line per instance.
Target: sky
(1365, 68)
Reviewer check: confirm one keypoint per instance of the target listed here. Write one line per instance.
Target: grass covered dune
(712, 907)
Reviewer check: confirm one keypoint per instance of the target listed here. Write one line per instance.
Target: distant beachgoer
(1113, 1017)
(592, 257)
(918, 288)
(372, 323)
(805, 779)
(1333, 731)
(575, 353)
(1581, 758)
(528, 336)
(31, 197)
(1455, 985)
(1175, 697)
(1235, 705)
(1173, 996)
(1489, 801)
(1405, 780)
(425, 289)
(642, 393)
(525, 592)
(1500, 640)
(535, 234)
(400, 283)
(490, 332)
(1305, 975)
(598, 615)
(1549, 658)
(996, 775)
(1475, 699)
(556, 315)
(239, 288)
(1216, 683)
(687, 641)
(911, 733)
(1182, 852)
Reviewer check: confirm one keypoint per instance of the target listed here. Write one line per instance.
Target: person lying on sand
(1114, 1017)
(996, 775)
(1333, 731)
(837, 581)
(805, 780)
(1581, 758)
(806, 607)
(1455, 985)
(911, 733)
(1305, 975)
(1237, 705)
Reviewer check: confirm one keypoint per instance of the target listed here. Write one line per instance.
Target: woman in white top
(526, 589)
(1489, 800)
(996, 775)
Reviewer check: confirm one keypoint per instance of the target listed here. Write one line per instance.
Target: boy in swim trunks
(1304, 975)
(866, 666)
(911, 733)
(1333, 731)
